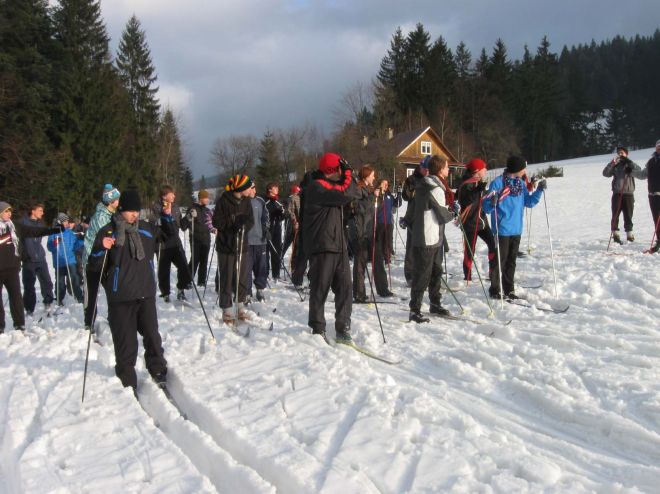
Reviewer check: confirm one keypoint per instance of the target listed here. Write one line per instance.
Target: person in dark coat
(302, 256)
(233, 218)
(11, 238)
(622, 169)
(652, 172)
(408, 195)
(276, 216)
(257, 238)
(167, 215)
(325, 243)
(35, 266)
(382, 253)
(123, 254)
(473, 217)
(293, 225)
(427, 216)
(200, 218)
(363, 219)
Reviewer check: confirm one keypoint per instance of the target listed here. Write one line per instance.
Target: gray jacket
(622, 180)
(257, 234)
(429, 213)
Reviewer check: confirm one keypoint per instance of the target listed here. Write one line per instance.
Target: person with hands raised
(622, 170)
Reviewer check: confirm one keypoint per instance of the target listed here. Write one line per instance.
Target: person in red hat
(325, 244)
(292, 223)
(473, 217)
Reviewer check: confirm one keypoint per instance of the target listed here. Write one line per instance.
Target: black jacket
(169, 225)
(8, 257)
(32, 248)
(324, 200)
(276, 214)
(363, 214)
(125, 278)
(229, 215)
(651, 172)
(469, 195)
(202, 232)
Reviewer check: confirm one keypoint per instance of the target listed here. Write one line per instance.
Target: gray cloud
(232, 67)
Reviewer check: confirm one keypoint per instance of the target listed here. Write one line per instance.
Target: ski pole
(208, 269)
(499, 257)
(476, 266)
(452, 294)
(68, 270)
(384, 245)
(552, 255)
(302, 299)
(529, 229)
(655, 232)
(201, 304)
(238, 270)
(89, 336)
(373, 239)
(192, 251)
(373, 296)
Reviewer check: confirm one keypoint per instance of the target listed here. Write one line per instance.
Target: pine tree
(173, 169)
(438, 89)
(269, 167)
(416, 56)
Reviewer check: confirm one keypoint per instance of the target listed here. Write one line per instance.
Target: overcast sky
(237, 67)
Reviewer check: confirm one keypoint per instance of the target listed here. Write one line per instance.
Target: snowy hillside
(549, 403)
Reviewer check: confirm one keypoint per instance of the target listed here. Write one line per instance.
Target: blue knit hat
(425, 162)
(110, 194)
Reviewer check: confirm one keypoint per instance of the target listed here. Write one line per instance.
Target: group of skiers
(334, 215)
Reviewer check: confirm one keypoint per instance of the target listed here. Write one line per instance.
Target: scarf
(124, 230)
(8, 227)
(514, 184)
(449, 195)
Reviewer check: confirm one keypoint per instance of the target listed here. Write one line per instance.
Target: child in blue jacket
(64, 247)
(506, 199)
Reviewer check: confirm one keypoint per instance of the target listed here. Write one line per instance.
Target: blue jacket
(510, 209)
(67, 250)
(390, 203)
(33, 250)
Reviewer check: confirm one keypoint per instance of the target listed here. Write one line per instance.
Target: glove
(239, 221)
(403, 223)
(193, 213)
(542, 185)
(343, 165)
(456, 208)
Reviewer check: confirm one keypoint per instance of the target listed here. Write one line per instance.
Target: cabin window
(426, 147)
(409, 171)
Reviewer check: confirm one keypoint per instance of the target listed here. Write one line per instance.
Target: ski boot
(243, 314)
(417, 317)
(616, 238)
(438, 310)
(630, 236)
(181, 296)
(260, 295)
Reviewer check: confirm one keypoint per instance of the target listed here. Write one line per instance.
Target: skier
(11, 236)
(35, 266)
(104, 211)
(652, 172)
(387, 203)
(473, 217)
(200, 244)
(167, 215)
(257, 239)
(276, 215)
(124, 250)
(363, 230)
(63, 246)
(233, 218)
(506, 199)
(427, 215)
(293, 224)
(325, 243)
(622, 170)
(408, 194)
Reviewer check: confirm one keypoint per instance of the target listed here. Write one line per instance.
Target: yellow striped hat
(238, 183)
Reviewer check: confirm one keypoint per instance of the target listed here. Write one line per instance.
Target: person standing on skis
(652, 172)
(363, 217)
(622, 169)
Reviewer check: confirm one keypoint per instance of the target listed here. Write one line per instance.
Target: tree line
(73, 117)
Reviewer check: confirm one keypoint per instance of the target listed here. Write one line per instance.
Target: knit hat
(295, 189)
(514, 164)
(657, 143)
(110, 194)
(129, 201)
(425, 162)
(4, 206)
(622, 148)
(239, 183)
(475, 165)
(202, 194)
(329, 163)
(62, 218)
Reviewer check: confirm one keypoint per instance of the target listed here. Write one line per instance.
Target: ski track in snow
(552, 402)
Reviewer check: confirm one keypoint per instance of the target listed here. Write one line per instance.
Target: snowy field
(549, 403)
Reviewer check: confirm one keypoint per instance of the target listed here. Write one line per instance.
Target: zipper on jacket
(116, 280)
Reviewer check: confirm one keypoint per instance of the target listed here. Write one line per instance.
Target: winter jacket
(390, 203)
(169, 225)
(101, 217)
(33, 249)
(409, 184)
(202, 224)
(651, 172)
(293, 207)
(363, 214)
(429, 213)
(125, 278)
(510, 208)
(65, 254)
(9, 258)
(230, 214)
(622, 181)
(324, 201)
(257, 234)
(469, 195)
(276, 214)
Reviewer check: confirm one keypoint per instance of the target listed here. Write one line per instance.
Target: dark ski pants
(486, 235)
(654, 202)
(275, 252)
(427, 274)
(361, 259)
(227, 266)
(330, 270)
(66, 282)
(33, 271)
(92, 281)
(173, 255)
(299, 263)
(200, 256)
(9, 279)
(623, 203)
(508, 254)
(257, 267)
(381, 257)
(127, 319)
(408, 261)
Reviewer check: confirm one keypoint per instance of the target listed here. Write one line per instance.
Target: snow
(551, 402)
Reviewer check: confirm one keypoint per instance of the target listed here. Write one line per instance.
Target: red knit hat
(475, 165)
(295, 189)
(329, 163)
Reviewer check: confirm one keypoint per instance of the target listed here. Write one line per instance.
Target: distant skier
(35, 266)
(363, 221)
(63, 246)
(257, 239)
(293, 224)
(408, 195)
(652, 172)
(622, 170)
(506, 201)
(387, 203)
(276, 215)
(200, 244)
